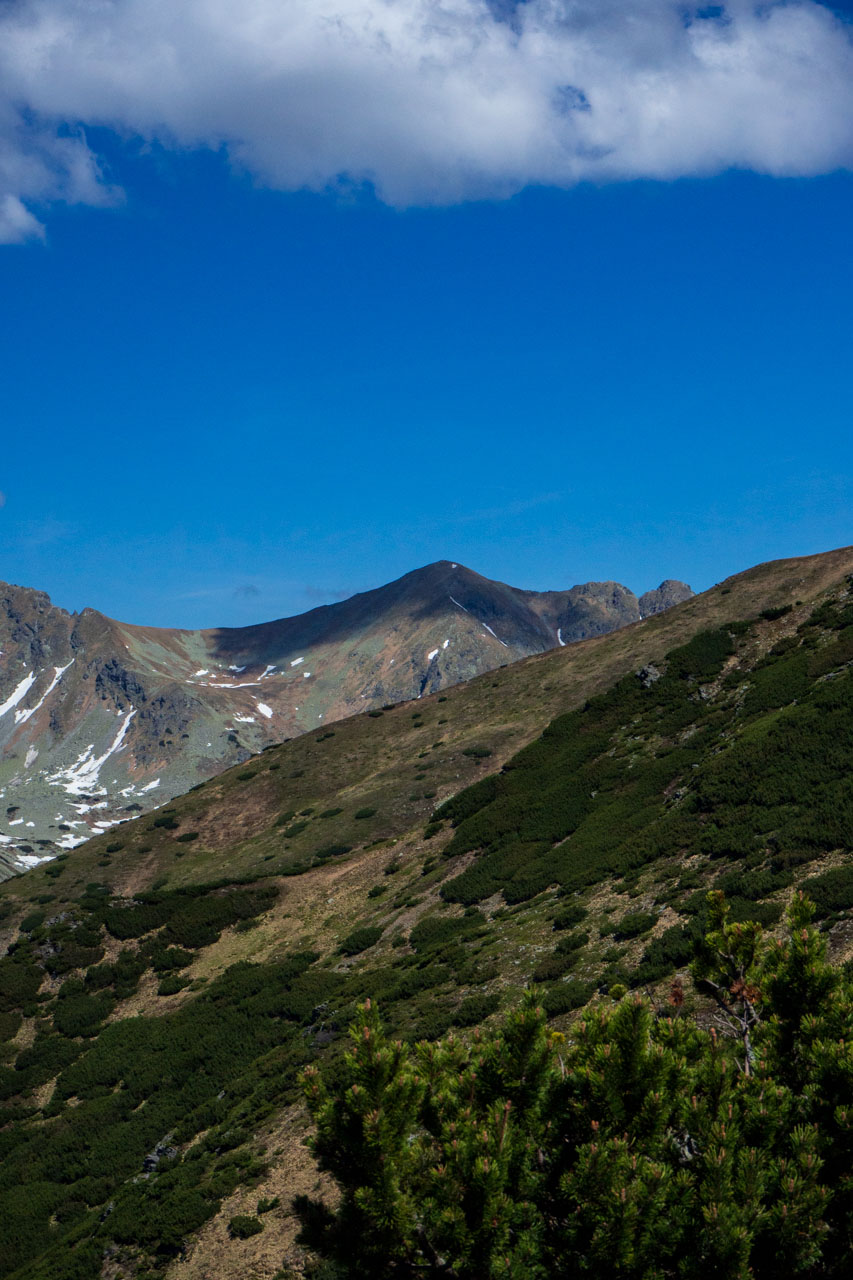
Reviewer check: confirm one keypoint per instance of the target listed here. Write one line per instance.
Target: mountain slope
(159, 998)
(101, 720)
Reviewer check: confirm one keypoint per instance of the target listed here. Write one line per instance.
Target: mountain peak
(670, 593)
(100, 720)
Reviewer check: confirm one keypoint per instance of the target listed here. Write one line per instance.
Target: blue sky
(225, 399)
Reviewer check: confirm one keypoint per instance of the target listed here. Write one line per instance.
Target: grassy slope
(401, 765)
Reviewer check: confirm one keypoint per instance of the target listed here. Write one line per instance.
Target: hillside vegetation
(557, 821)
(641, 1146)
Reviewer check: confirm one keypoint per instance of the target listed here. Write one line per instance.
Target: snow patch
(18, 693)
(433, 654)
(71, 842)
(246, 719)
(82, 775)
(296, 662)
(458, 605)
(491, 633)
(236, 669)
(28, 860)
(446, 643)
(560, 639)
(267, 672)
(306, 675)
(104, 824)
(17, 822)
(32, 753)
(247, 684)
(21, 716)
(204, 672)
(127, 791)
(264, 710)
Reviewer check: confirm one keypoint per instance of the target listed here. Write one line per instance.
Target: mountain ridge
(101, 720)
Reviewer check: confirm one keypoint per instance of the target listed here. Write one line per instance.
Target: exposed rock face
(670, 592)
(101, 720)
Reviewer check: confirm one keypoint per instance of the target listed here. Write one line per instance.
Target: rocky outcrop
(670, 593)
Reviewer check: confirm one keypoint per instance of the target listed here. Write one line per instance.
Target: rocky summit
(101, 721)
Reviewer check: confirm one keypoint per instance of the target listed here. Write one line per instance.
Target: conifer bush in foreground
(640, 1146)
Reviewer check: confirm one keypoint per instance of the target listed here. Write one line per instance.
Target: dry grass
(213, 1255)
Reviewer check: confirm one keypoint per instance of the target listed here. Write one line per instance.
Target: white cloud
(432, 101)
(17, 224)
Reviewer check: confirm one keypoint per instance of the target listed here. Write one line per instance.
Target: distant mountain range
(102, 720)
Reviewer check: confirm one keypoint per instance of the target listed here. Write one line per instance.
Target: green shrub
(568, 916)
(295, 828)
(436, 933)
(19, 982)
(242, 1227)
(78, 1013)
(475, 1009)
(633, 924)
(360, 939)
(331, 851)
(553, 966)
(564, 997)
(781, 682)
(171, 984)
(138, 918)
(832, 891)
(9, 1024)
(46, 1057)
(167, 958)
(702, 657)
(367, 812)
(186, 837)
(674, 949)
(123, 976)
